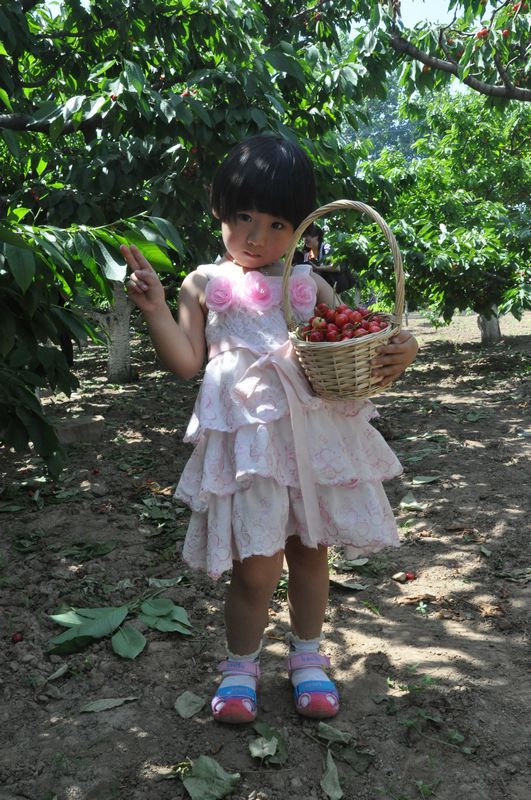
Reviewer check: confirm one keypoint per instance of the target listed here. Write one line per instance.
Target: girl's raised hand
(392, 359)
(144, 286)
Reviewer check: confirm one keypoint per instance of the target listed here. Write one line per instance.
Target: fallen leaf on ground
(330, 780)
(106, 703)
(207, 780)
(349, 585)
(416, 598)
(491, 610)
(188, 704)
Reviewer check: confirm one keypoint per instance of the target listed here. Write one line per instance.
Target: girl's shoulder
(220, 267)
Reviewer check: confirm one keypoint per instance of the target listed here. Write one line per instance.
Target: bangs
(267, 174)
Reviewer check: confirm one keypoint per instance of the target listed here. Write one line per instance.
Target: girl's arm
(391, 359)
(180, 345)
(325, 293)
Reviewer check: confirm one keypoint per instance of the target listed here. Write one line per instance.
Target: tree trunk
(116, 324)
(490, 327)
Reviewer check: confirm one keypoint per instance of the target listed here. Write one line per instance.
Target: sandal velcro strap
(301, 660)
(309, 687)
(230, 667)
(240, 692)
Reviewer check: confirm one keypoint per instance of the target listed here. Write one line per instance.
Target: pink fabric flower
(219, 294)
(303, 294)
(256, 292)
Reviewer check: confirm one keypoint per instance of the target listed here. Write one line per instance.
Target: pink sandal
(236, 704)
(316, 699)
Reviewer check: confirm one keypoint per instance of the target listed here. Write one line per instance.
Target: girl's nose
(256, 235)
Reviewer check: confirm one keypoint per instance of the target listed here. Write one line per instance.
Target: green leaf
(408, 503)
(156, 257)
(71, 646)
(134, 75)
(358, 758)
(15, 239)
(179, 614)
(419, 479)
(188, 704)
(285, 63)
(106, 703)
(128, 642)
(331, 734)
(330, 780)
(21, 263)
(157, 607)
(350, 585)
(12, 142)
(97, 627)
(455, 736)
(164, 583)
(4, 97)
(84, 250)
(67, 618)
(169, 232)
(170, 626)
(262, 748)
(200, 111)
(268, 732)
(114, 269)
(207, 780)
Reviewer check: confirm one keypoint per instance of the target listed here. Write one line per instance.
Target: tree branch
(401, 45)
(503, 72)
(23, 122)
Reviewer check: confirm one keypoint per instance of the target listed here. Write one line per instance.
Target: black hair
(268, 174)
(315, 230)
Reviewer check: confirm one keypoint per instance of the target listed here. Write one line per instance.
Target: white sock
(240, 680)
(296, 646)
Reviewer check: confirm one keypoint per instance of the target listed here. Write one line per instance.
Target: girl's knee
(297, 554)
(258, 574)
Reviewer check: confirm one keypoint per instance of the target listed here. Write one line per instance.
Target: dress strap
(301, 269)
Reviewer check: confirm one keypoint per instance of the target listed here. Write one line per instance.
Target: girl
(315, 250)
(276, 471)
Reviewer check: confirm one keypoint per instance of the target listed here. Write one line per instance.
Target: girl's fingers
(135, 259)
(387, 358)
(136, 283)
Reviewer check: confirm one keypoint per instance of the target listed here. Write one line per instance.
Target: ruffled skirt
(242, 479)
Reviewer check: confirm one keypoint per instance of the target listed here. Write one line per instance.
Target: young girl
(276, 471)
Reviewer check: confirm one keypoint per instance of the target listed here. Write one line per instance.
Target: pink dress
(271, 459)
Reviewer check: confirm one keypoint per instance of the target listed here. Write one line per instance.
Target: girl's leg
(252, 585)
(315, 695)
(307, 587)
(251, 588)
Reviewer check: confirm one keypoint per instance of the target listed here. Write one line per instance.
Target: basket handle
(345, 205)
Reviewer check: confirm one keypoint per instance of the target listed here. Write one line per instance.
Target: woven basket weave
(342, 370)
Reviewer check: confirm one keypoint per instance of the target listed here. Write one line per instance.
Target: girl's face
(312, 243)
(255, 239)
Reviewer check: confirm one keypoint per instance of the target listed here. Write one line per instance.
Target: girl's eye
(278, 226)
(243, 217)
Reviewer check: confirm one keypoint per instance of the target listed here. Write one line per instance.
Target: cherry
(17, 637)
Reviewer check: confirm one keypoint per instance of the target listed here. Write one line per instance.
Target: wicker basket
(342, 370)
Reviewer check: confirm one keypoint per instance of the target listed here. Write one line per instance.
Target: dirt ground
(433, 673)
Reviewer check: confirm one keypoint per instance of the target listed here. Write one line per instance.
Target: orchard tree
(485, 46)
(461, 210)
(115, 117)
